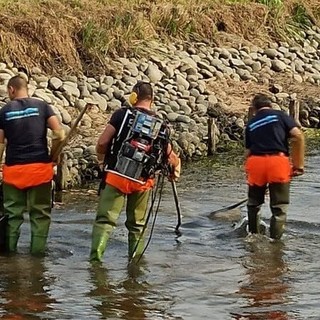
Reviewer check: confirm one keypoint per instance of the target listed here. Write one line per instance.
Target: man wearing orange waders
(132, 148)
(267, 138)
(28, 170)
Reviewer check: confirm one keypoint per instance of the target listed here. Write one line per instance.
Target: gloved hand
(58, 137)
(175, 172)
(100, 157)
(297, 172)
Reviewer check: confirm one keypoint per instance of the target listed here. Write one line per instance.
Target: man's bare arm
(104, 141)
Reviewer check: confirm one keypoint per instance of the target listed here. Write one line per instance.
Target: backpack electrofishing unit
(144, 148)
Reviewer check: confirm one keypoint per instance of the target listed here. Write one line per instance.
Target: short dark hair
(261, 101)
(143, 90)
(18, 82)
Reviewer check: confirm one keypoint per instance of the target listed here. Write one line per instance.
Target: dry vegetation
(79, 35)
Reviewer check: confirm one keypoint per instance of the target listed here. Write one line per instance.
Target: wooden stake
(294, 110)
(73, 128)
(60, 179)
(211, 136)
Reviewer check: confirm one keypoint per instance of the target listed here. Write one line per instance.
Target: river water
(213, 271)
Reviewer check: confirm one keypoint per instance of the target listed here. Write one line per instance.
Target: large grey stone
(204, 65)
(40, 78)
(108, 80)
(186, 109)
(80, 104)
(154, 74)
(66, 118)
(297, 78)
(71, 89)
(173, 116)
(299, 66)
(102, 103)
(189, 62)
(278, 65)
(5, 76)
(132, 68)
(8, 72)
(224, 53)
(3, 91)
(195, 92)
(316, 65)
(182, 81)
(183, 118)
(169, 71)
(55, 83)
(174, 106)
(40, 93)
(256, 66)
(114, 105)
(192, 78)
(202, 109)
(237, 63)
(271, 53)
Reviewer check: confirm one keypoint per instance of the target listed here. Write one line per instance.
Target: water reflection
(23, 285)
(121, 300)
(266, 289)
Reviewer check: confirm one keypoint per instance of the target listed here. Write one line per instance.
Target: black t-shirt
(126, 114)
(268, 132)
(117, 118)
(122, 120)
(24, 122)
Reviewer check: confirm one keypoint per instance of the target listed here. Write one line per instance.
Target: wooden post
(211, 136)
(72, 130)
(294, 110)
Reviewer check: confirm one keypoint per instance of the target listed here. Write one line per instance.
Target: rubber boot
(135, 246)
(277, 227)
(279, 201)
(39, 207)
(137, 204)
(11, 244)
(111, 201)
(38, 245)
(253, 219)
(255, 201)
(14, 202)
(99, 241)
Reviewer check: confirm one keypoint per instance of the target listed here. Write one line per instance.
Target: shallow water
(211, 272)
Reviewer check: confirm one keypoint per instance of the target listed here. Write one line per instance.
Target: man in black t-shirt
(267, 162)
(121, 155)
(28, 169)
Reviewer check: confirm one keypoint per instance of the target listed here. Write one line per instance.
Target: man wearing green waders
(28, 169)
(268, 165)
(132, 148)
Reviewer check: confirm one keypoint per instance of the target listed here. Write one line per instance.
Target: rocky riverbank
(193, 83)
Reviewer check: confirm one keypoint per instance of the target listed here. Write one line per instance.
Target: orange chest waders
(264, 169)
(27, 175)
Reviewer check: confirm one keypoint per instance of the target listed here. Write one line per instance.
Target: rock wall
(192, 82)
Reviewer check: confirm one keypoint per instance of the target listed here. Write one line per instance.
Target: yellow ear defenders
(134, 95)
(133, 98)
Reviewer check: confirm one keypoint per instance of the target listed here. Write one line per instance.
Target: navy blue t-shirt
(268, 132)
(24, 122)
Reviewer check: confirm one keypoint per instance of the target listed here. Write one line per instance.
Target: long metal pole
(176, 200)
(224, 209)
